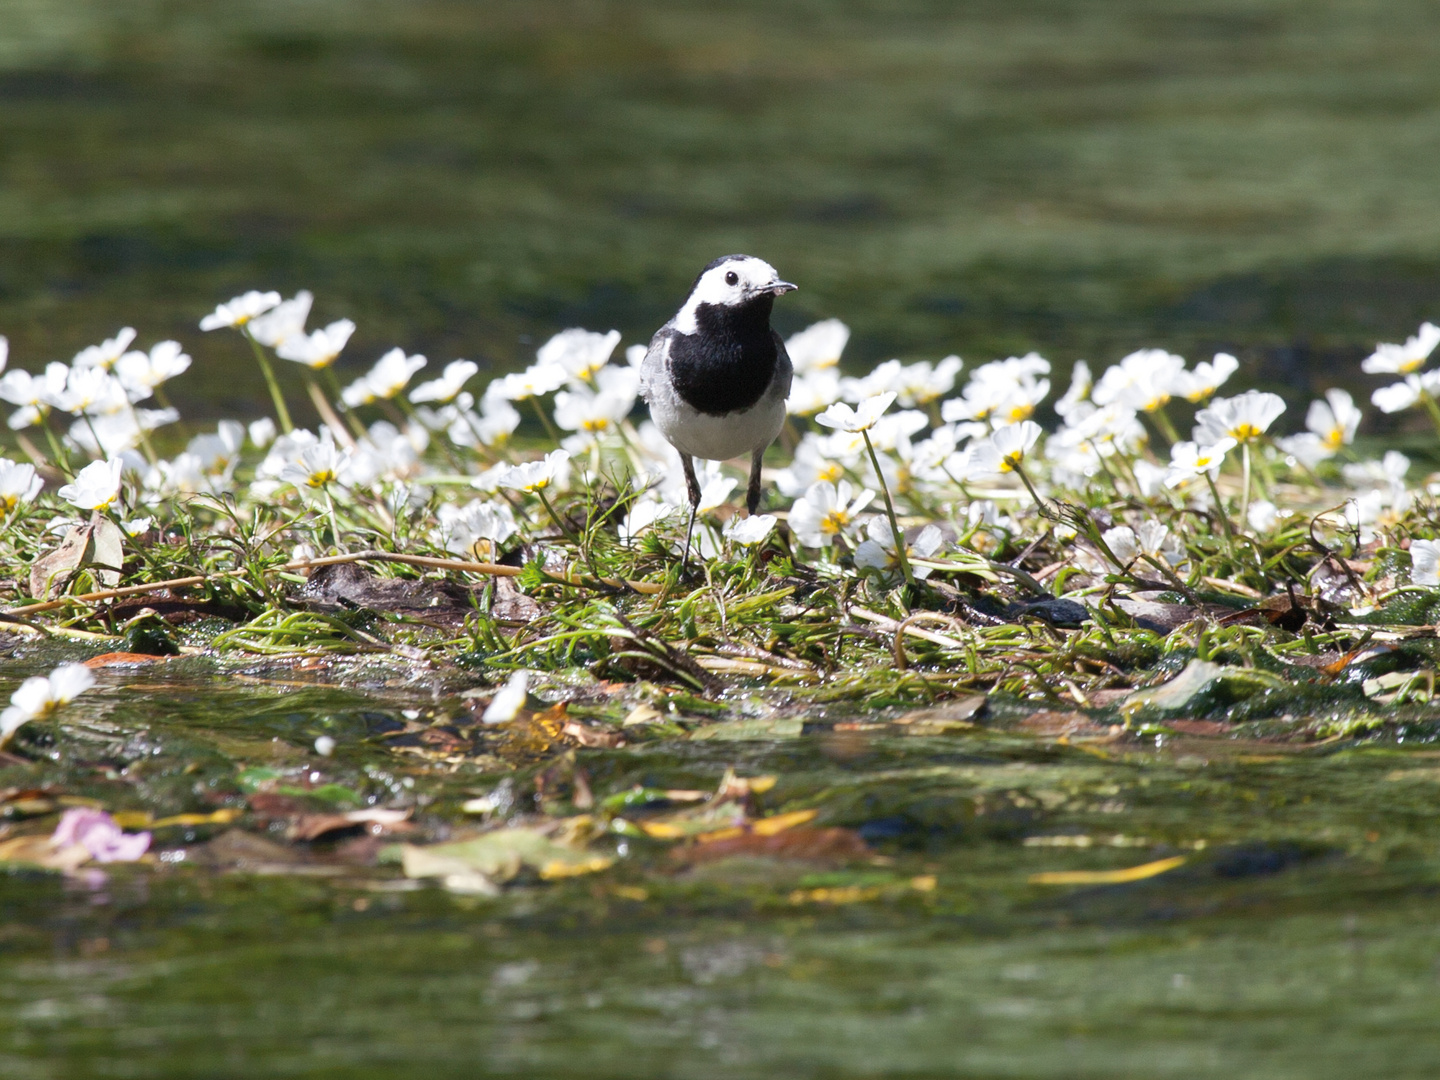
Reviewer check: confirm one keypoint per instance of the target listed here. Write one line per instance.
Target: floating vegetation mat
(960, 674)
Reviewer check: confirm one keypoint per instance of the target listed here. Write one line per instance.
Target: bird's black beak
(779, 288)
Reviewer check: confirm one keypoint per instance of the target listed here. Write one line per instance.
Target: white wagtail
(716, 376)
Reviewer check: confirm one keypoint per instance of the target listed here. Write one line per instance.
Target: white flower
(1402, 395)
(18, 484)
(826, 511)
(714, 492)
(1244, 418)
(877, 552)
(1264, 515)
(1003, 451)
(508, 701)
(1001, 392)
(1403, 359)
(96, 486)
(644, 513)
(1425, 561)
(92, 390)
(1391, 469)
(1123, 544)
(386, 379)
(914, 384)
(321, 348)
(535, 381)
(112, 434)
(219, 453)
(1199, 384)
(597, 412)
(240, 310)
(476, 529)
(578, 353)
(284, 321)
(1150, 477)
(1189, 460)
(747, 532)
(818, 346)
(316, 465)
(862, 418)
(1081, 386)
(492, 425)
(812, 462)
(1397, 396)
(34, 391)
(535, 476)
(262, 432)
(1332, 424)
(140, 373)
(1144, 381)
(106, 353)
(448, 386)
(812, 391)
(41, 695)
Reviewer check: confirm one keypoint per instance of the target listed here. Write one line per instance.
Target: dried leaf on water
(1108, 877)
(770, 727)
(498, 856)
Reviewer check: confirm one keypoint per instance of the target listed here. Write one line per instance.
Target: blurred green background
(463, 178)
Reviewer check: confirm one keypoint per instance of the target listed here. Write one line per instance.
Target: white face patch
(717, 287)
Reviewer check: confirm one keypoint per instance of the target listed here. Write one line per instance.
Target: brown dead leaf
(801, 843)
(51, 572)
(958, 713)
(1052, 723)
(578, 733)
(116, 659)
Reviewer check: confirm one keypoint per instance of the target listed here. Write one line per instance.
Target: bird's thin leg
(693, 485)
(752, 496)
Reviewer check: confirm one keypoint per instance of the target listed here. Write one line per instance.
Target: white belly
(719, 438)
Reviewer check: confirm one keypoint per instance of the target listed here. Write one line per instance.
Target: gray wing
(784, 371)
(652, 368)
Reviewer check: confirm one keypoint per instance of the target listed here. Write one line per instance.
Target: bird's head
(732, 281)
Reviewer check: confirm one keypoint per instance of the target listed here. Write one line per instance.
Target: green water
(1298, 939)
(463, 179)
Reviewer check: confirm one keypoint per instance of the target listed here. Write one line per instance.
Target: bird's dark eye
(732, 278)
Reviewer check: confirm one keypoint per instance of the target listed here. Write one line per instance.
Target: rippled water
(987, 178)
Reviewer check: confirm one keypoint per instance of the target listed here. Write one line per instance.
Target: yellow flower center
(834, 522)
(599, 424)
(1245, 432)
(320, 478)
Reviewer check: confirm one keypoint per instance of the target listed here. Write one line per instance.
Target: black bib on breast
(728, 363)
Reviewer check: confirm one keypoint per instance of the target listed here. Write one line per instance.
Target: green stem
(334, 521)
(281, 412)
(338, 396)
(1224, 517)
(56, 447)
(1430, 405)
(1245, 485)
(1045, 511)
(1162, 421)
(564, 527)
(895, 532)
(549, 427)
